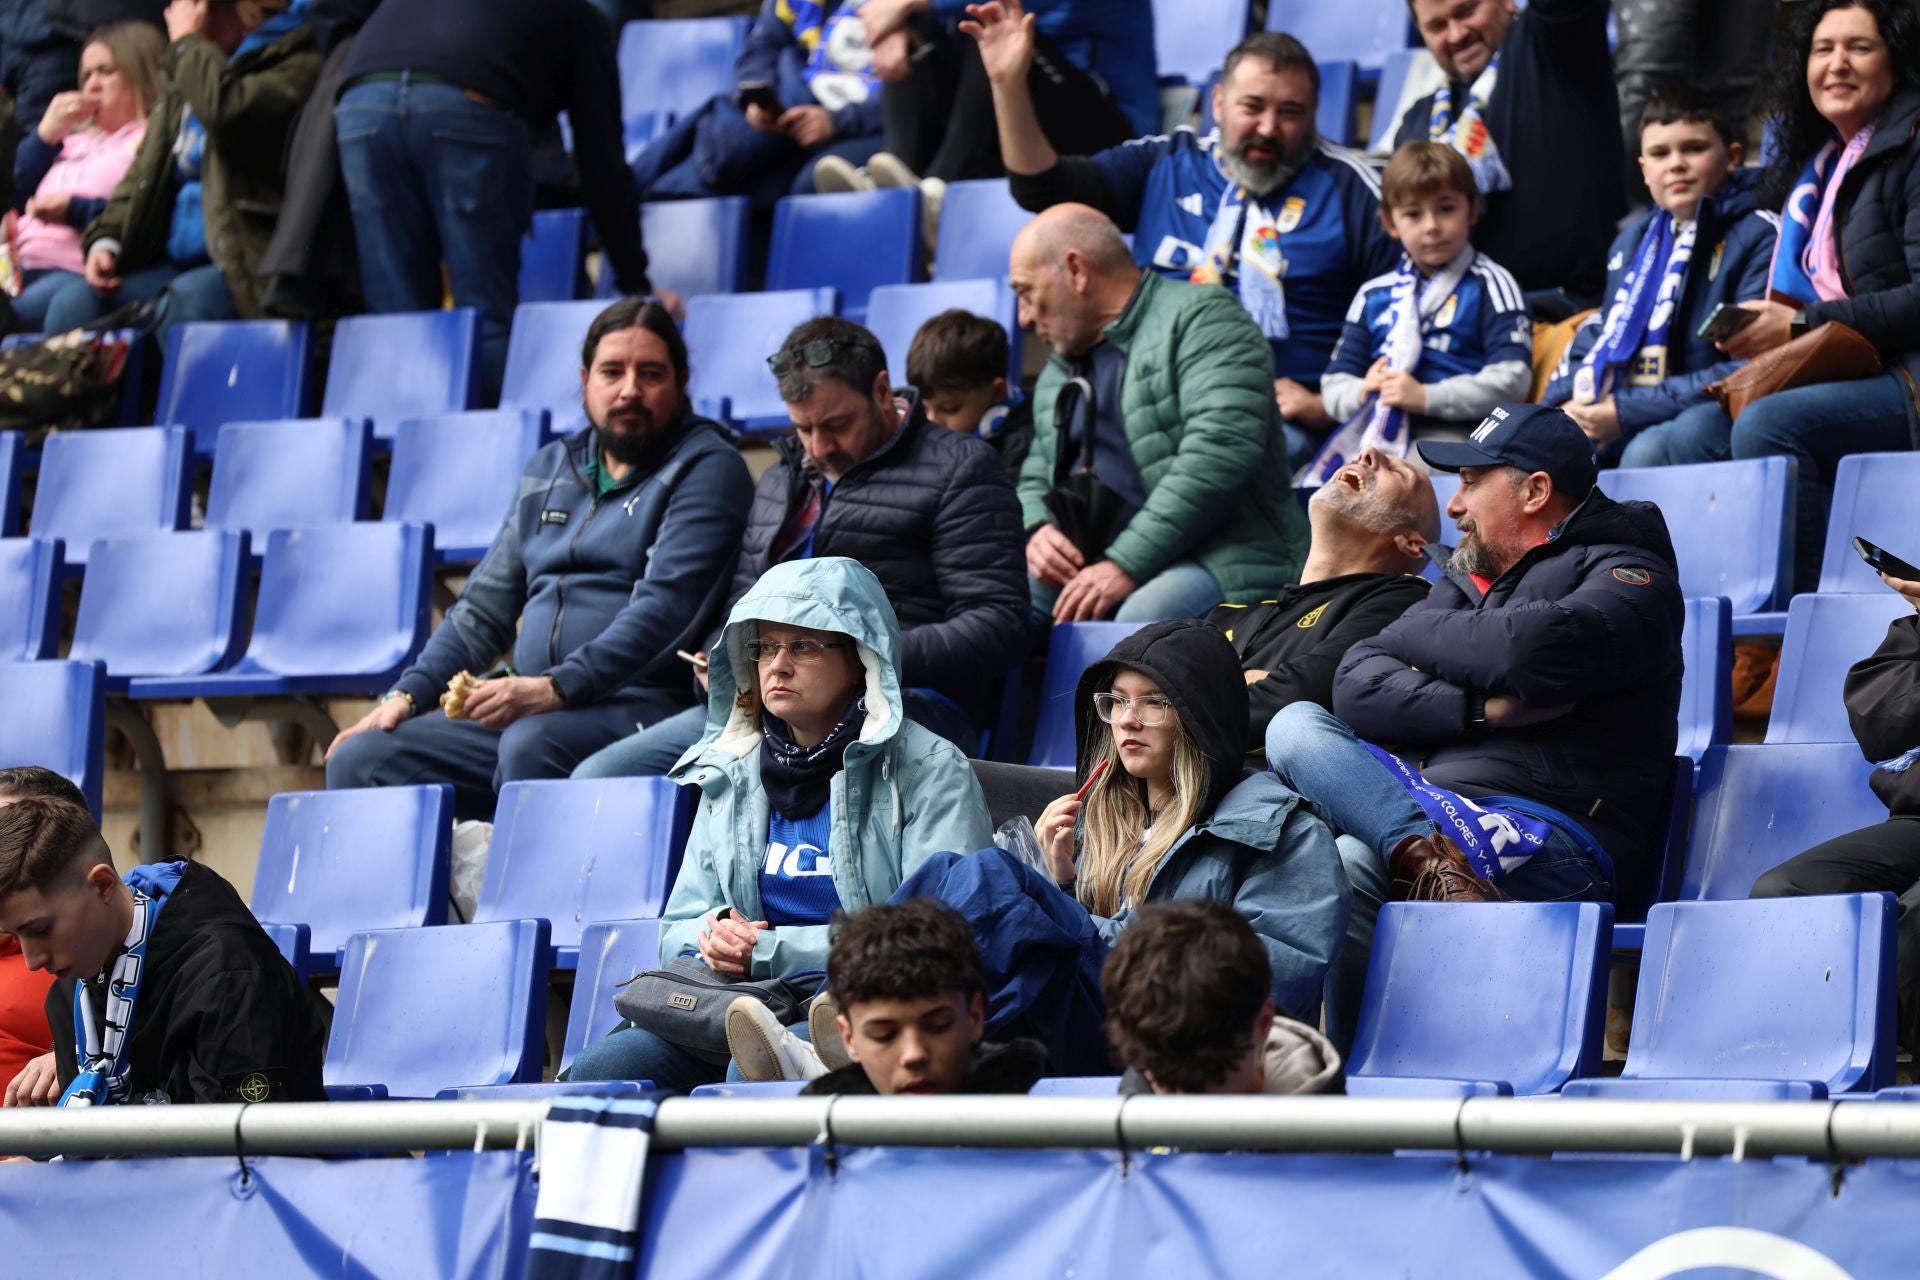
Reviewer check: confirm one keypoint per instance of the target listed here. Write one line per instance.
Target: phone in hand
(1886, 562)
(757, 94)
(1727, 319)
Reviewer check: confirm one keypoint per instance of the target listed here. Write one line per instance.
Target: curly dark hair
(1183, 987)
(1784, 98)
(902, 951)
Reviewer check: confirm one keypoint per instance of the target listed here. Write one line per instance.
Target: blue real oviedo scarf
(1640, 319)
(106, 1051)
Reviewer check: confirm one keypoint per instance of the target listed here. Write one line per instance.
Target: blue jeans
(629, 1053)
(1181, 590)
(1700, 434)
(198, 293)
(41, 287)
(433, 175)
(1317, 755)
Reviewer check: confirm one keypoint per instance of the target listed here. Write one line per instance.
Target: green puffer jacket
(248, 107)
(1205, 434)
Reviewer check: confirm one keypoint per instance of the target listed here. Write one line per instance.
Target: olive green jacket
(1204, 431)
(247, 107)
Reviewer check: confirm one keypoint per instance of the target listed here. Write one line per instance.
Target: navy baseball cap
(1532, 437)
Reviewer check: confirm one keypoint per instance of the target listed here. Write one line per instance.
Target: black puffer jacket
(1883, 706)
(934, 517)
(1877, 214)
(1589, 618)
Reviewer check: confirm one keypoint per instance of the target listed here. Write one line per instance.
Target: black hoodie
(1883, 705)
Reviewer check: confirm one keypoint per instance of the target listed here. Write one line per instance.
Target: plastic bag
(1017, 837)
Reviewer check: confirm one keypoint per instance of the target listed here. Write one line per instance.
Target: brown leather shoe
(1435, 870)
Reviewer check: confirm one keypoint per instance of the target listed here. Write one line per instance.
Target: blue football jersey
(1484, 321)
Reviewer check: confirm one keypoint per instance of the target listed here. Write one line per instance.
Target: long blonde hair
(1114, 867)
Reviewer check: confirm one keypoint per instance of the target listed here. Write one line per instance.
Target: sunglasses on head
(814, 355)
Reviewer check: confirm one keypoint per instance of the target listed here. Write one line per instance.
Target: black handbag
(1089, 513)
(685, 1003)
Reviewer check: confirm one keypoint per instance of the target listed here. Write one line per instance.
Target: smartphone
(1727, 319)
(757, 94)
(1886, 562)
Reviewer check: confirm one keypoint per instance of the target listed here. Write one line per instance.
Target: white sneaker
(933, 194)
(889, 170)
(823, 1023)
(836, 173)
(765, 1050)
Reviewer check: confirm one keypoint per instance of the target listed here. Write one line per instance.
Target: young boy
(1431, 347)
(1188, 1009)
(1634, 377)
(958, 362)
(24, 1034)
(180, 996)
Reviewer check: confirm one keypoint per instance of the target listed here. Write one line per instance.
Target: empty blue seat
(1659, 878)
(1072, 647)
(1397, 70)
(290, 475)
(1364, 30)
(730, 336)
(29, 599)
(574, 852)
(421, 1010)
(898, 310)
(978, 221)
(13, 457)
(694, 247)
(1873, 499)
(611, 951)
(1732, 525)
(165, 604)
(56, 717)
(552, 256)
(750, 1089)
(345, 862)
(342, 609)
(675, 64)
(850, 241)
(1339, 96)
(1190, 40)
(460, 472)
(1506, 1000)
(1825, 636)
(232, 371)
(543, 361)
(406, 365)
(1706, 692)
(1756, 805)
(1779, 998)
(1075, 1087)
(119, 482)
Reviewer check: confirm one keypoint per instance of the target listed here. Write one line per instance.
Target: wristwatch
(413, 708)
(1477, 711)
(558, 692)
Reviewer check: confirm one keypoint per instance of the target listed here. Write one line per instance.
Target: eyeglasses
(1148, 711)
(803, 652)
(815, 355)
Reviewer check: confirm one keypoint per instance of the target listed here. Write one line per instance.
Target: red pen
(1092, 778)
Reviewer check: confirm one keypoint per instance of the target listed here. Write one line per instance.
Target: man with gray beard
(1371, 525)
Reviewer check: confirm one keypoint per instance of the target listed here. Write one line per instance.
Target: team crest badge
(1290, 215)
(1475, 143)
(1444, 317)
(1311, 618)
(254, 1088)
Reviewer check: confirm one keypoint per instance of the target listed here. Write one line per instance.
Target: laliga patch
(1633, 577)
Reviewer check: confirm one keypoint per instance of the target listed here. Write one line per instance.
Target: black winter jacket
(1883, 706)
(933, 515)
(1589, 618)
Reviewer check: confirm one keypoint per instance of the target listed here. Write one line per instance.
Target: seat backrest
(164, 604)
(850, 241)
(543, 361)
(343, 862)
(1825, 636)
(56, 717)
(1405, 76)
(290, 475)
(1759, 804)
(29, 599)
(421, 1010)
(551, 255)
(1364, 30)
(1339, 96)
(676, 64)
(978, 221)
(460, 472)
(1731, 523)
(698, 246)
(611, 951)
(13, 458)
(1191, 39)
(1706, 692)
(1873, 499)
(573, 852)
(224, 371)
(341, 600)
(1075, 1087)
(1659, 878)
(404, 365)
(1514, 993)
(111, 483)
(1770, 989)
(730, 336)
(898, 310)
(1072, 647)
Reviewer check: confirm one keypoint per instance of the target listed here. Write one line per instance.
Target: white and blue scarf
(1469, 134)
(1243, 246)
(106, 1052)
(593, 1161)
(1641, 318)
(839, 67)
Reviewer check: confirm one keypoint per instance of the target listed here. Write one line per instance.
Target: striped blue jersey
(1484, 322)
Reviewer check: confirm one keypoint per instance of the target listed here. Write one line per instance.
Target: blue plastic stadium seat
(29, 598)
(1191, 39)
(421, 1010)
(290, 475)
(1339, 97)
(675, 65)
(1826, 635)
(55, 716)
(405, 365)
(1872, 498)
(1506, 1000)
(345, 862)
(232, 371)
(165, 604)
(1732, 525)
(543, 360)
(1075, 1087)
(850, 241)
(119, 482)
(13, 458)
(342, 609)
(575, 852)
(694, 247)
(729, 338)
(1072, 647)
(1659, 878)
(293, 940)
(1706, 693)
(638, 133)
(460, 472)
(1780, 998)
(978, 221)
(1759, 804)
(1364, 30)
(1396, 69)
(898, 310)
(750, 1089)
(552, 254)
